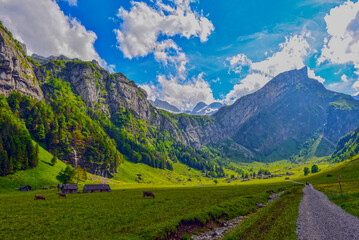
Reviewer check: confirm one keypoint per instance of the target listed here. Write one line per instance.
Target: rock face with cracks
(16, 72)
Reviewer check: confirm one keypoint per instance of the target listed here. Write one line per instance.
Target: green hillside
(348, 146)
(43, 175)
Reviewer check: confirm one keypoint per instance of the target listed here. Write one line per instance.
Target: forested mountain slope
(348, 146)
(76, 107)
(80, 108)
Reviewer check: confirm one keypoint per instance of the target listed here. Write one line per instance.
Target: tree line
(17, 150)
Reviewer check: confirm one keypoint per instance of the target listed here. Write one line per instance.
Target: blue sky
(185, 51)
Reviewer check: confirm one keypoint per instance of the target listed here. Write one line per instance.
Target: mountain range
(164, 105)
(201, 108)
(69, 104)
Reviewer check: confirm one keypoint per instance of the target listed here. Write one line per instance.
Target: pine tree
(1, 144)
(54, 158)
(3, 162)
(10, 166)
(40, 132)
(36, 156)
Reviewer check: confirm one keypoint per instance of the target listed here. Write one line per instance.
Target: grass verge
(276, 221)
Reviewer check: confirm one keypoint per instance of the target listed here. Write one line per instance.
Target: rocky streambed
(226, 226)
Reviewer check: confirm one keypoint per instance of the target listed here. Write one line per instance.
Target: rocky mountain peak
(291, 77)
(164, 105)
(198, 107)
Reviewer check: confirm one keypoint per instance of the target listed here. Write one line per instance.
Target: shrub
(315, 168)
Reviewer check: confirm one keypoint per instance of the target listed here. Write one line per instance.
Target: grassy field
(123, 214)
(181, 195)
(275, 221)
(181, 175)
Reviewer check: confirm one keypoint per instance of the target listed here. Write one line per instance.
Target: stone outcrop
(16, 72)
(123, 92)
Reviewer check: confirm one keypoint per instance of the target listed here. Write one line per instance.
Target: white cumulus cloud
(167, 52)
(182, 95)
(46, 30)
(142, 25)
(342, 44)
(342, 86)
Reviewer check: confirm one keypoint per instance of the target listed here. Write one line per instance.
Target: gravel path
(320, 219)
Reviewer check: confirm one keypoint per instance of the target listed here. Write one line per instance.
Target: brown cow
(39, 197)
(148, 194)
(62, 195)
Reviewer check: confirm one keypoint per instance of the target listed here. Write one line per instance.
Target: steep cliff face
(111, 92)
(123, 92)
(15, 71)
(194, 131)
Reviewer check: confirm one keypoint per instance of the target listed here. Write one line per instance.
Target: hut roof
(69, 187)
(97, 187)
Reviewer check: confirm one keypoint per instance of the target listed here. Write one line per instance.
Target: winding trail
(320, 219)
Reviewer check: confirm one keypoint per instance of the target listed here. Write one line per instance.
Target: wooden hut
(25, 188)
(69, 188)
(91, 188)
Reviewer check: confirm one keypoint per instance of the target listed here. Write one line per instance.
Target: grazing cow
(148, 194)
(62, 195)
(39, 197)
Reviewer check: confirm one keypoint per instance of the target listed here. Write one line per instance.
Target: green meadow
(182, 195)
(124, 213)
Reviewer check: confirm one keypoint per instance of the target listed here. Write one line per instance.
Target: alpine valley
(71, 107)
(228, 120)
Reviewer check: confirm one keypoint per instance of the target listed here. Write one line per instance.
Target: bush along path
(321, 219)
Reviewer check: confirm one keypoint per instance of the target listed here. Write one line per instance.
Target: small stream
(227, 226)
(74, 151)
(75, 155)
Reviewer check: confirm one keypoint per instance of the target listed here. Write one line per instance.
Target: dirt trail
(320, 219)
